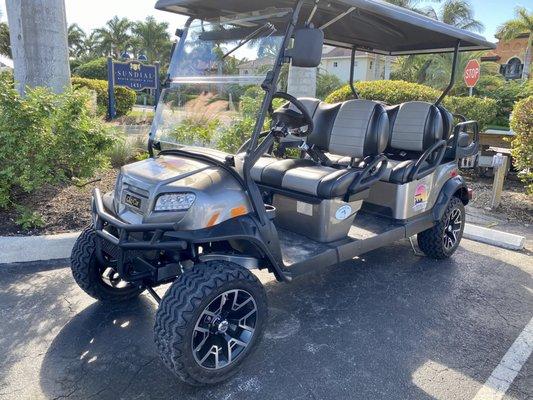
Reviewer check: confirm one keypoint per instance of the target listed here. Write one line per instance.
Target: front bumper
(127, 244)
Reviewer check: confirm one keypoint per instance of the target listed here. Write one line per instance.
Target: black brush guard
(127, 249)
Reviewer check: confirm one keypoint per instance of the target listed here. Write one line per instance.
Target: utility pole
(38, 30)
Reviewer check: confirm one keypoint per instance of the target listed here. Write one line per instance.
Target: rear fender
(455, 187)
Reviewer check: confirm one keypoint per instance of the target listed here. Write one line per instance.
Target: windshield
(215, 92)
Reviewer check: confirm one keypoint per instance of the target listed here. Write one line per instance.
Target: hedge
(482, 110)
(522, 144)
(125, 97)
(94, 69)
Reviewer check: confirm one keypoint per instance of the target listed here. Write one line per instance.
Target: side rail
(428, 161)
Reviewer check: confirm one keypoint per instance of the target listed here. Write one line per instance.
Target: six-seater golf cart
(312, 185)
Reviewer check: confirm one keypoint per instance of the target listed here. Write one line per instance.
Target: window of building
(335, 64)
(371, 65)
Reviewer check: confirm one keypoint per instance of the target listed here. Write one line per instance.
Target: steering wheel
(289, 120)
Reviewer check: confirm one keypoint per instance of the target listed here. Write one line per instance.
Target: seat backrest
(354, 128)
(447, 122)
(415, 126)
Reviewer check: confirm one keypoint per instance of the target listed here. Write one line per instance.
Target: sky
(94, 13)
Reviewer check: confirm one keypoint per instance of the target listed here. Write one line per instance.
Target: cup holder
(271, 211)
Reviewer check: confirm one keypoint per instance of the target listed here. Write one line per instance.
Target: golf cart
(312, 184)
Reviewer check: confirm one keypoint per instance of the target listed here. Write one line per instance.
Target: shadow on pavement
(389, 325)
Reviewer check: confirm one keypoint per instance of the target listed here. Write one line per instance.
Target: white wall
(362, 71)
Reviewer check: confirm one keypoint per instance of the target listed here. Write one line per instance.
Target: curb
(21, 249)
(24, 249)
(493, 237)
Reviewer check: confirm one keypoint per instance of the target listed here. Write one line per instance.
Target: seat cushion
(307, 177)
(398, 171)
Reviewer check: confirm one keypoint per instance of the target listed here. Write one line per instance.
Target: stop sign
(472, 71)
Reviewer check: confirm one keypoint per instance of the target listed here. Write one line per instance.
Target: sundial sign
(131, 74)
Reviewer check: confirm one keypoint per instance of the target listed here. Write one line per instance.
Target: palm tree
(458, 13)
(152, 38)
(92, 48)
(434, 70)
(76, 40)
(440, 70)
(115, 37)
(521, 24)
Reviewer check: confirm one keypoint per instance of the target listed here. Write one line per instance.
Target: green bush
(326, 83)
(125, 150)
(506, 94)
(482, 110)
(124, 97)
(196, 131)
(522, 144)
(46, 138)
(94, 69)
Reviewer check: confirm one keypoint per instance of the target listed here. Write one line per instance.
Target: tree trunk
(526, 73)
(38, 30)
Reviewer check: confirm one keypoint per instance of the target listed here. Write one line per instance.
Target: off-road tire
(431, 241)
(86, 273)
(183, 304)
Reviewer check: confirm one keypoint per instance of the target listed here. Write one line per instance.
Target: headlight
(174, 202)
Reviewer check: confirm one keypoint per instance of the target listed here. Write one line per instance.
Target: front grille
(136, 190)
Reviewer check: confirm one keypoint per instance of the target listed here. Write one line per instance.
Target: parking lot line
(504, 374)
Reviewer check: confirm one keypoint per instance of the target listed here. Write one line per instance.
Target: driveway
(390, 325)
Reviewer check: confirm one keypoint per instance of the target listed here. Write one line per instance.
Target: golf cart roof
(368, 25)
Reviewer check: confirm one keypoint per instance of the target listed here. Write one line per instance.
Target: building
(335, 61)
(513, 56)
(254, 67)
(368, 66)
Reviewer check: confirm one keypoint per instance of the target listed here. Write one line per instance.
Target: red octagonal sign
(472, 71)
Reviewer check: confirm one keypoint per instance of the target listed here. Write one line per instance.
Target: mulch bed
(515, 206)
(64, 208)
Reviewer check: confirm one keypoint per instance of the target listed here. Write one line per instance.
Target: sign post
(471, 74)
(134, 75)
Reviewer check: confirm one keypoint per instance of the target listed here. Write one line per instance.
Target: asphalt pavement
(389, 325)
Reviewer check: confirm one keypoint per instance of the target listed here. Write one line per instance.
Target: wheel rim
(224, 329)
(453, 229)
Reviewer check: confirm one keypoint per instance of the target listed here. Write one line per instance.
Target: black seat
(356, 129)
(416, 144)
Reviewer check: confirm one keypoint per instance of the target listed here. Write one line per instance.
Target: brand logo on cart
(132, 201)
(421, 197)
(343, 212)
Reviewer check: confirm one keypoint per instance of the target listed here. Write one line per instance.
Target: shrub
(28, 219)
(196, 131)
(125, 150)
(505, 93)
(522, 144)
(234, 136)
(125, 97)
(395, 92)
(45, 138)
(94, 69)
(326, 83)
